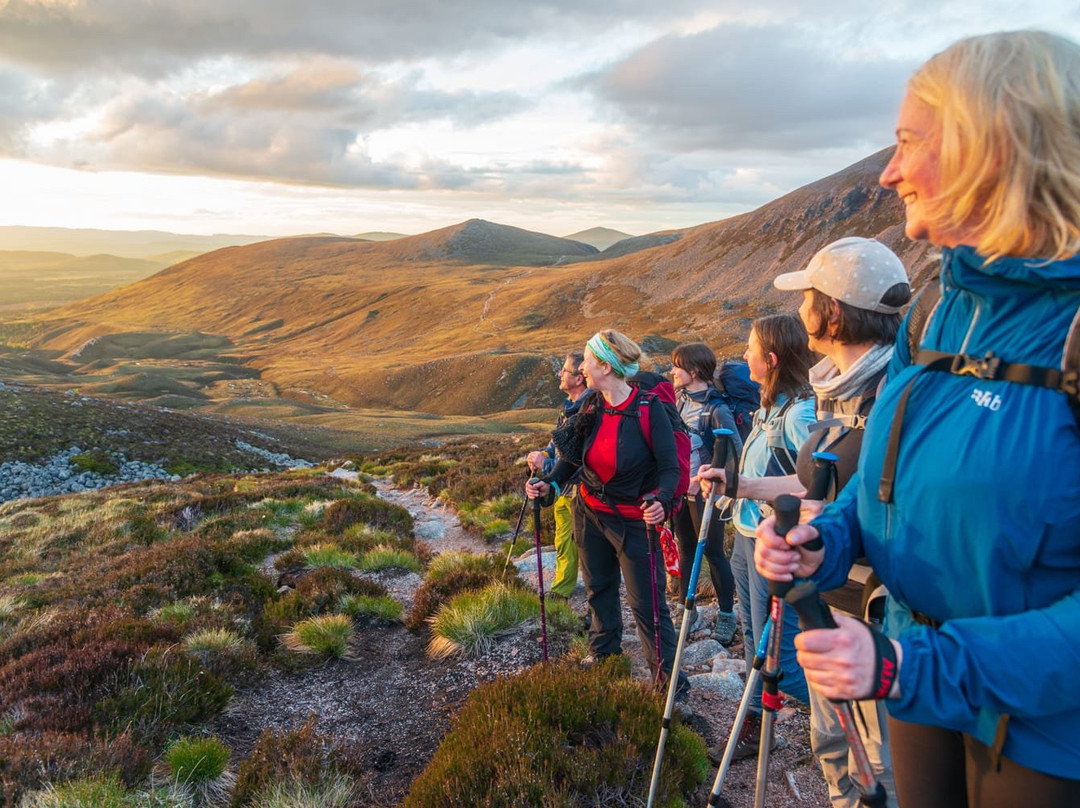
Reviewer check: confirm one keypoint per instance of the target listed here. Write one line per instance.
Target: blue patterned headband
(605, 353)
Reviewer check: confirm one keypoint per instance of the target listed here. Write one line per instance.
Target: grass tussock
(384, 557)
(451, 574)
(560, 736)
(326, 636)
(471, 622)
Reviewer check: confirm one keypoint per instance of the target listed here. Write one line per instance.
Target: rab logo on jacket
(987, 399)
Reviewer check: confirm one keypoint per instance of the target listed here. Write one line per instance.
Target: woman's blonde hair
(625, 348)
(1008, 112)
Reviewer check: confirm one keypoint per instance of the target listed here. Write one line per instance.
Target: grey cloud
(156, 37)
(341, 93)
(742, 87)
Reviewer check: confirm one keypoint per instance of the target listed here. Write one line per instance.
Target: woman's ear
(772, 359)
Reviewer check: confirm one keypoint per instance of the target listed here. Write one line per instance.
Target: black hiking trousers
(610, 546)
(940, 768)
(687, 530)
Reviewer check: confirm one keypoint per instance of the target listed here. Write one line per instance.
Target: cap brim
(793, 281)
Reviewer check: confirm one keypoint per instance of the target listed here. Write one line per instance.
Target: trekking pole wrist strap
(885, 665)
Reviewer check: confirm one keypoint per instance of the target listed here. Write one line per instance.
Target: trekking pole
(740, 716)
(824, 475)
(814, 613)
(786, 507)
(517, 529)
(721, 441)
(540, 572)
(654, 539)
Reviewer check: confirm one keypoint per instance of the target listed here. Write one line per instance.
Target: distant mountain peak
(599, 237)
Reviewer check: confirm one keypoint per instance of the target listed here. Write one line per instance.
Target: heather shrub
(29, 761)
(317, 593)
(163, 690)
(560, 736)
(366, 510)
(294, 757)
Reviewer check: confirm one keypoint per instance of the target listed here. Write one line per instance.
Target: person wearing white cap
(852, 293)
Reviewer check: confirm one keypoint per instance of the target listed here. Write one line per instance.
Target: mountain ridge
(445, 322)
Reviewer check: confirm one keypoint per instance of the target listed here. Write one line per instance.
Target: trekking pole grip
(812, 610)
(786, 507)
(824, 474)
(650, 530)
(536, 500)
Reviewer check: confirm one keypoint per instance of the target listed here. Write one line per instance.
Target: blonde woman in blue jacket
(967, 494)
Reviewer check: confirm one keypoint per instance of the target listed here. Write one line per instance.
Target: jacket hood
(1063, 274)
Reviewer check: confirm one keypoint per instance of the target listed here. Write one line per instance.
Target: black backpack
(741, 393)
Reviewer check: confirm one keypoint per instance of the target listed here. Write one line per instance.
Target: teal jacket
(983, 533)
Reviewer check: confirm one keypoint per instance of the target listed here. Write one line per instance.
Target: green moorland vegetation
(131, 616)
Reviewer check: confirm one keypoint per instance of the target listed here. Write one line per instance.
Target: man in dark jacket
(571, 382)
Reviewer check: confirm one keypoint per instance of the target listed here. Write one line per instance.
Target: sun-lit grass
(213, 640)
(326, 636)
(329, 555)
(10, 605)
(386, 558)
(198, 769)
(335, 791)
(470, 623)
(382, 608)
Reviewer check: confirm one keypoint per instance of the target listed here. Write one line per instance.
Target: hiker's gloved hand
(841, 663)
(781, 558)
(653, 514)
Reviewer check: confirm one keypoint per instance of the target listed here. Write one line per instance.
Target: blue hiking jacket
(984, 529)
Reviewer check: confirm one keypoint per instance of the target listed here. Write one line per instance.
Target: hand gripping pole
(786, 507)
(721, 452)
(540, 572)
(814, 613)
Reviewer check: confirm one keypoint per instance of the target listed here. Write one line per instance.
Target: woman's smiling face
(914, 171)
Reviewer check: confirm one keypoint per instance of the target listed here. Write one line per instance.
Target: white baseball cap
(857, 271)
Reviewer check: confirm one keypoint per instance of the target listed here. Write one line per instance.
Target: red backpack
(653, 385)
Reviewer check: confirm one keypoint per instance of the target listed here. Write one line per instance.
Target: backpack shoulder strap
(926, 303)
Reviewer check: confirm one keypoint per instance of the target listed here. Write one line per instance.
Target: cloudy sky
(279, 116)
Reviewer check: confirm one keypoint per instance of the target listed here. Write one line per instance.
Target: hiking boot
(748, 743)
(724, 632)
(681, 707)
(593, 660)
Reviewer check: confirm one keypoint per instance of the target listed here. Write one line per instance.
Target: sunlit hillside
(468, 319)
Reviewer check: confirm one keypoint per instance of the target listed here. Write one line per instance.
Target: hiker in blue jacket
(779, 360)
(967, 496)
